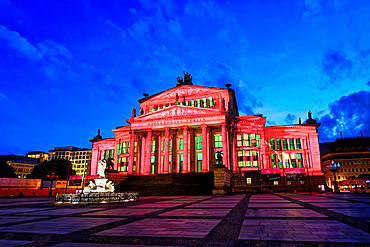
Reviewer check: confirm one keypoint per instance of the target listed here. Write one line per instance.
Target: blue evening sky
(68, 68)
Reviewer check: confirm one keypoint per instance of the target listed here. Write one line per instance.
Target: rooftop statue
(187, 80)
(309, 115)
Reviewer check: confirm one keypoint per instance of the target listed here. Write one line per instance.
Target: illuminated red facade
(181, 129)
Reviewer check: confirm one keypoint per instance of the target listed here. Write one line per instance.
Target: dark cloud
(290, 118)
(334, 66)
(349, 114)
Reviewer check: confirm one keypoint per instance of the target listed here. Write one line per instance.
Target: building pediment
(178, 111)
(183, 91)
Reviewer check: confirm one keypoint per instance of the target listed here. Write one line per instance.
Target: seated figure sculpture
(100, 184)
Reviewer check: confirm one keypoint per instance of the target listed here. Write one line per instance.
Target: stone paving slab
(123, 212)
(192, 228)
(155, 205)
(59, 225)
(340, 205)
(274, 205)
(203, 205)
(301, 230)
(216, 212)
(8, 211)
(282, 213)
(13, 219)
(66, 244)
(61, 211)
(352, 212)
(9, 243)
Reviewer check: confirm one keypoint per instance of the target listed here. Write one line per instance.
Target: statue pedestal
(100, 185)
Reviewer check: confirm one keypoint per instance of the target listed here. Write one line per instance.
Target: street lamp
(334, 167)
(308, 177)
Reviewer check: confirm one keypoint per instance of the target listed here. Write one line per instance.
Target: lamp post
(308, 177)
(52, 176)
(334, 167)
(69, 166)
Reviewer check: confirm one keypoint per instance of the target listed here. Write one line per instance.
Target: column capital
(157, 132)
(132, 132)
(203, 126)
(167, 129)
(223, 124)
(149, 130)
(185, 127)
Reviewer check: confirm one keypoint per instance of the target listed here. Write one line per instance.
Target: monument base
(94, 198)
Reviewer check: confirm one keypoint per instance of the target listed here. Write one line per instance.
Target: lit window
(153, 146)
(198, 102)
(218, 141)
(181, 144)
(204, 102)
(285, 144)
(298, 142)
(272, 144)
(278, 144)
(198, 140)
(192, 103)
(210, 101)
(291, 144)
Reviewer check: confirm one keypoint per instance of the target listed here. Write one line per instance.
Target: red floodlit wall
(310, 142)
(98, 152)
(31, 192)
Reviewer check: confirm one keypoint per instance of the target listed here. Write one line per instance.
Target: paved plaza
(238, 220)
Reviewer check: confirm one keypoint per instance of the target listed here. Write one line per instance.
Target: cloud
(335, 66)
(3, 96)
(290, 118)
(45, 50)
(20, 44)
(349, 115)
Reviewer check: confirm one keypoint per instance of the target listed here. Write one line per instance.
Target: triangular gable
(178, 111)
(185, 90)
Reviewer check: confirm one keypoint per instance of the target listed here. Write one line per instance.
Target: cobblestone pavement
(238, 220)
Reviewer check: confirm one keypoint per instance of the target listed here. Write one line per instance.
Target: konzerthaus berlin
(181, 129)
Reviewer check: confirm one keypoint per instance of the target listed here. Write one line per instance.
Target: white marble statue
(102, 164)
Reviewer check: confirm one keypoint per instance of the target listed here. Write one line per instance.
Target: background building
(182, 129)
(22, 165)
(79, 157)
(353, 154)
(39, 155)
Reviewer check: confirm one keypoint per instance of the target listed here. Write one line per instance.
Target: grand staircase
(169, 184)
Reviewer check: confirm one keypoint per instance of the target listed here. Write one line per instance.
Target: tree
(59, 167)
(6, 171)
(364, 176)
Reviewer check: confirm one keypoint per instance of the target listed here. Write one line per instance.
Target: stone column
(148, 150)
(174, 164)
(224, 145)
(185, 163)
(166, 150)
(143, 154)
(204, 149)
(192, 150)
(131, 152)
(235, 157)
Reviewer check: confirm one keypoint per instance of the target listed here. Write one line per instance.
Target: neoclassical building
(180, 130)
